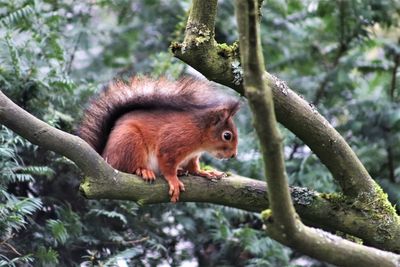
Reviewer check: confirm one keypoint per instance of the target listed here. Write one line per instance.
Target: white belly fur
(153, 163)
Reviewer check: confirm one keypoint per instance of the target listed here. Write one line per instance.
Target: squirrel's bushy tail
(187, 94)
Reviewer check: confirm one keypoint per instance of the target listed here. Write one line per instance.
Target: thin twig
(12, 248)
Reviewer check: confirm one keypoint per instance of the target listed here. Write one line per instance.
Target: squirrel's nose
(233, 155)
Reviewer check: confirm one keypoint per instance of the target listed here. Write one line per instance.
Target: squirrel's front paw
(210, 174)
(175, 187)
(147, 175)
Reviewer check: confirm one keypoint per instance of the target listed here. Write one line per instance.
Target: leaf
(15, 59)
(38, 170)
(6, 152)
(13, 213)
(47, 256)
(17, 16)
(58, 230)
(109, 214)
(27, 206)
(125, 255)
(63, 83)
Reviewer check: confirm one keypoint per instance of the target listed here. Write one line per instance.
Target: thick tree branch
(220, 63)
(40, 133)
(260, 99)
(283, 224)
(205, 29)
(330, 212)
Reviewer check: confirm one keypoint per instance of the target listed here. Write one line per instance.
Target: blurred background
(342, 56)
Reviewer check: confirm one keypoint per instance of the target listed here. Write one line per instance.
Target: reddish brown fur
(168, 139)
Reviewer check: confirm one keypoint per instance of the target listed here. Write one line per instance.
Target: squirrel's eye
(227, 135)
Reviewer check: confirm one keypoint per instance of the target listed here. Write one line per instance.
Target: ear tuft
(233, 107)
(217, 116)
(222, 114)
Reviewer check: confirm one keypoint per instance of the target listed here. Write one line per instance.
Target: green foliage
(46, 257)
(109, 214)
(4, 261)
(14, 210)
(15, 17)
(126, 254)
(54, 55)
(58, 231)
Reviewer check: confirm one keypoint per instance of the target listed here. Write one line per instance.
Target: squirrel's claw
(147, 175)
(175, 187)
(210, 174)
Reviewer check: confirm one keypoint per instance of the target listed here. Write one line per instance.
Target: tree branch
(330, 212)
(283, 224)
(201, 32)
(220, 63)
(40, 133)
(393, 86)
(261, 103)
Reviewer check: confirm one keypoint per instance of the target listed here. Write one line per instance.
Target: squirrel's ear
(222, 114)
(233, 108)
(218, 115)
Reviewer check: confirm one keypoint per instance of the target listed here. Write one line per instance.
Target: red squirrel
(149, 127)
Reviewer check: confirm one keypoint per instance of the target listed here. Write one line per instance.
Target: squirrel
(150, 127)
